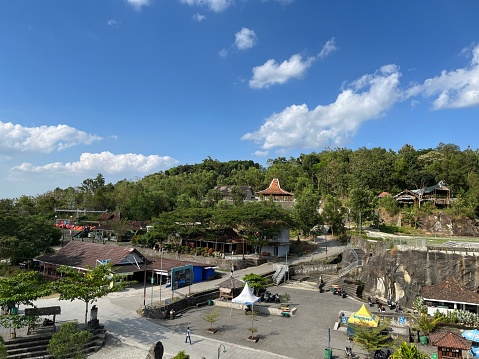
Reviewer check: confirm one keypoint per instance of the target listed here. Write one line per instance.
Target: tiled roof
(83, 254)
(451, 291)
(449, 340)
(275, 189)
(383, 194)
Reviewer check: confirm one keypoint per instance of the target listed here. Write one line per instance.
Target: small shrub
(69, 342)
(3, 349)
(181, 355)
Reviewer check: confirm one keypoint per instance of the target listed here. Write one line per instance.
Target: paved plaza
(305, 335)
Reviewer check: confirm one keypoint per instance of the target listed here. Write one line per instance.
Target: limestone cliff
(399, 275)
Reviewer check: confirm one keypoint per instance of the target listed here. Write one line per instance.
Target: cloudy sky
(127, 88)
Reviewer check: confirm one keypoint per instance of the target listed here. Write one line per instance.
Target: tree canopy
(87, 287)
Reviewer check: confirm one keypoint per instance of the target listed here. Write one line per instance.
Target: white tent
(246, 296)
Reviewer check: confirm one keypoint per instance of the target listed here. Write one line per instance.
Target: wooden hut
(449, 345)
(230, 288)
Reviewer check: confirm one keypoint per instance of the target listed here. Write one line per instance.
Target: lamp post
(161, 270)
(144, 285)
(219, 349)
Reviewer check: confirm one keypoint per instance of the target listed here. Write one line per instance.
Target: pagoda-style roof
(275, 189)
(450, 291)
(449, 340)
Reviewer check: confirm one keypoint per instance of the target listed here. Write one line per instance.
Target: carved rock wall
(401, 275)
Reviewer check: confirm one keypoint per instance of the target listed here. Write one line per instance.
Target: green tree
(87, 287)
(211, 317)
(371, 338)
(69, 342)
(408, 351)
(23, 288)
(333, 214)
(362, 203)
(16, 321)
(305, 213)
(256, 281)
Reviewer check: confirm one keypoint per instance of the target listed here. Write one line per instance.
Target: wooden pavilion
(449, 345)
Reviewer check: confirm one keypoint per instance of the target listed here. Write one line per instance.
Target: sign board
(402, 321)
(181, 277)
(434, 356)
(344, 320)
(104, 261)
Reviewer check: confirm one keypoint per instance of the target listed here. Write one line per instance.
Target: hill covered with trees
(342, 182)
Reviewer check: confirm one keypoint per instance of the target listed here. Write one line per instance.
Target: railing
(343, 271)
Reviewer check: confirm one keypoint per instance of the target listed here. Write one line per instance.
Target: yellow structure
(364, 317)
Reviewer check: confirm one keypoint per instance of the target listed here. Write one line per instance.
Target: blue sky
(127, 88)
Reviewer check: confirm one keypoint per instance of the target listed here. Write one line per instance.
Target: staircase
(35, 346)
(357, 254)
(279, 274)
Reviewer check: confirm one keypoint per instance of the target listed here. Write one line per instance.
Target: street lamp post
(144, 285)
(219, 349)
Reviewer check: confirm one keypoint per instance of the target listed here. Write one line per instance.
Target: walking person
(188, 335)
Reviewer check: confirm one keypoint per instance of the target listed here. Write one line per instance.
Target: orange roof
(275, 189)
(449, 340)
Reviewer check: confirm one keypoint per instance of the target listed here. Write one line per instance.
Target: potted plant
(211, 317)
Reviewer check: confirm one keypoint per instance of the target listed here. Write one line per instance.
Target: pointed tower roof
(275, 189)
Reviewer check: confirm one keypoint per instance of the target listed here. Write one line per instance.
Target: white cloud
(223, 52)
(104, 162)
(213, 5)
(198, 17)
(329, 47)
(113, 23)
(271, 72)
(454, 89)
(42, 139)
(245, 39)
(261, 153)
(296, 126)
(138, 4)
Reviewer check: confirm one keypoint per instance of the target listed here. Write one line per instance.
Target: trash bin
(328, 353)
(14, 310)
(300, 254)
(210, 302)
(423, 339)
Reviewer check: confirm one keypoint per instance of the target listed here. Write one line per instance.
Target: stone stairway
(35, 346)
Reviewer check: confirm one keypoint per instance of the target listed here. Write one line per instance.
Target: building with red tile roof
(449, 345)
(448, 296)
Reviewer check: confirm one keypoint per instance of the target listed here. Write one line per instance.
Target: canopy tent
(364, 317)
(472, 335)
(246, 296)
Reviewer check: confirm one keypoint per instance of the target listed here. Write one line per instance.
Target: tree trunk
(86, 313)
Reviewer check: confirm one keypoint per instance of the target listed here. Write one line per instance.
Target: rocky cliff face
(443, 224)
(401, 275)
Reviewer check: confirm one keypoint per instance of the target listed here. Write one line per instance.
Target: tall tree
(305, 213)
(87, 287)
